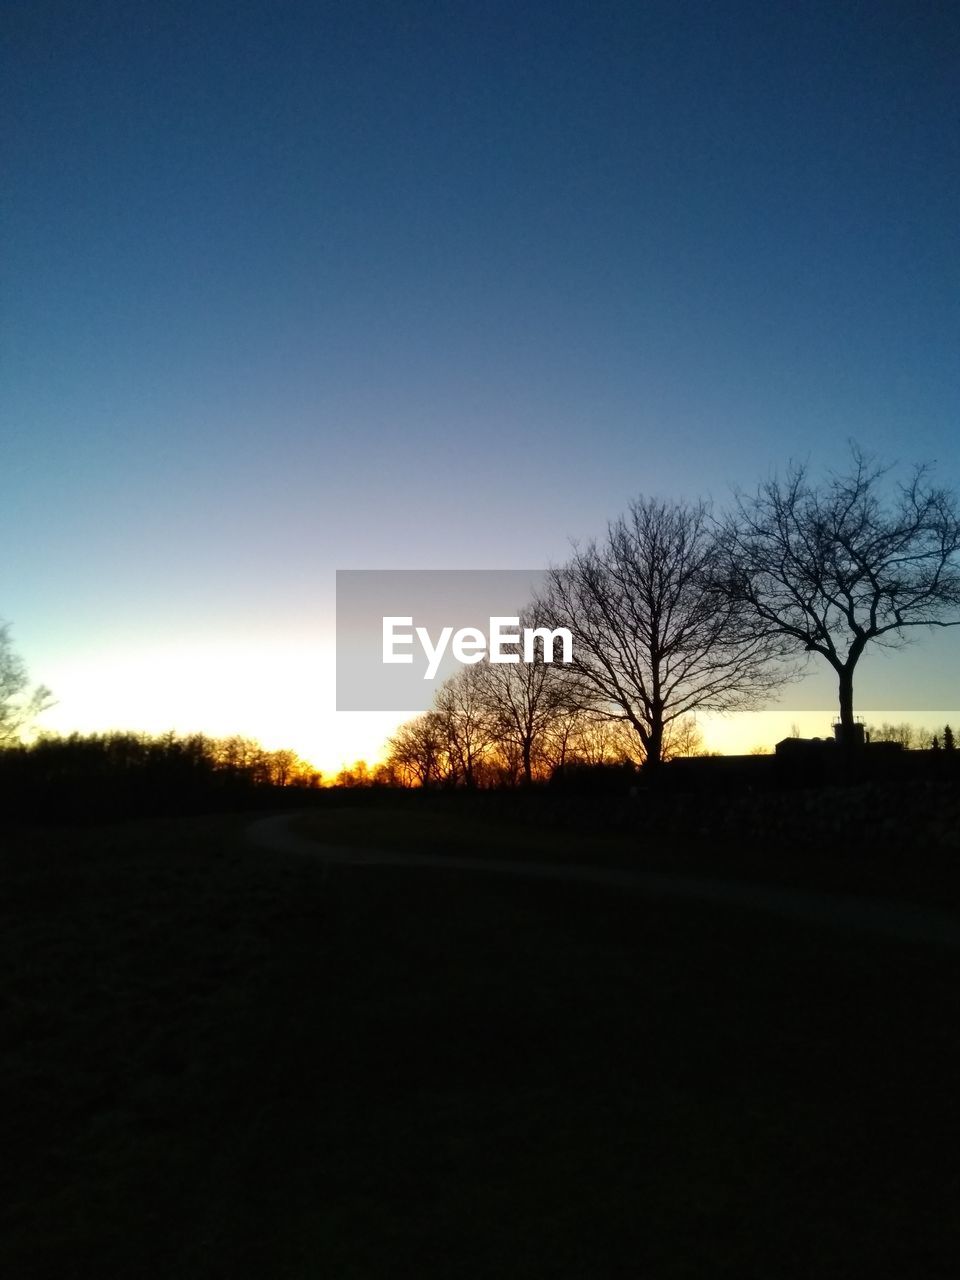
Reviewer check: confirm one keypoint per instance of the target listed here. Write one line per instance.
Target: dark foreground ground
(230, 1064)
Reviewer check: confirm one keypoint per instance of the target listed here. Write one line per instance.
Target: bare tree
(683, 738)
(832, 567)
(559, 744)
(18, 704)
(597, 739)
(355, 775)
(415, 751)
(652, 639)
(524, 700)
(242, 756)
(466, 723)
(903, 734)
(283, 766)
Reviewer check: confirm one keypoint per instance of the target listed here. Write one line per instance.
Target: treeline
(472, 737)
(912, 738)
(110, 775)
(508, 725)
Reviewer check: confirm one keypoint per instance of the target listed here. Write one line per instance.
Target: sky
(299, 287)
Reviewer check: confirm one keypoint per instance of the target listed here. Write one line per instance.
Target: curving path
(901, 921)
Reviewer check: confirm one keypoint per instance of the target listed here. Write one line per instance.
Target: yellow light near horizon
(283, 697)
(745, 731)
(283, 694)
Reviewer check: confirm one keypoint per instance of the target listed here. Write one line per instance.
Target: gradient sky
(293, 287)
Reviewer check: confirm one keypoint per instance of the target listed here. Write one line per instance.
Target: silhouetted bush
(607, 779)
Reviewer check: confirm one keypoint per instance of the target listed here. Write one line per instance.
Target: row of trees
(912, 738)
(126, 754)
(120, 774)
(509, 725)
(237, 758)
(677, 611)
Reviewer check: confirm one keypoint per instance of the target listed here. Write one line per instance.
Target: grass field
(232, 1064)
(900, 844)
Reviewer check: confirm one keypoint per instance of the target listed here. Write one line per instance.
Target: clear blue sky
(287, 288)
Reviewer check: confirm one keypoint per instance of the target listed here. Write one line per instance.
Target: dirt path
(902, 921)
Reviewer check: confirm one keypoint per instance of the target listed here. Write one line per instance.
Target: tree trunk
(654, 748)
(847, 723)
(527, 764)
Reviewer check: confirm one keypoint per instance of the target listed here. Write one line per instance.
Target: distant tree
(834, 566)
(560, 741)
(355, 775)
(283, 766)
(594, 739)
(524, 702)
(415, 751)
(653, 640)
(904, 734)
(947, 738)
(18, 704)
(683, 738)
(386, 775)
(239, 756)
(466, 722)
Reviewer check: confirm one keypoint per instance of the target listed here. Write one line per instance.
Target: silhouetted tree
(18, 705)
(831, 567)
(386, 775)
(904, 734)
(947, 738)
(467, 723)
(653, 640)
(357, 775)
(283, 767)
(683, 738)
(596, 739)
(559, 742)
(523, 700)
(414, 752)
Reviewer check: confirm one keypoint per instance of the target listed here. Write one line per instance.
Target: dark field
(897, 842)
(226, 1063)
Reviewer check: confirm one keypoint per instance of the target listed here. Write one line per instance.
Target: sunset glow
(373, 318)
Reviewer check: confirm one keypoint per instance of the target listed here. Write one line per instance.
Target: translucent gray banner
(431, 600)
(921, 677)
